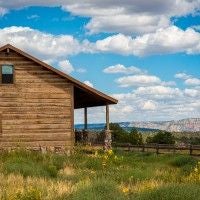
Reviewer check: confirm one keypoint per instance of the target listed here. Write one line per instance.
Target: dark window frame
(1, 74)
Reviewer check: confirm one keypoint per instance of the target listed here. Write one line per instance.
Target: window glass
(7, 74)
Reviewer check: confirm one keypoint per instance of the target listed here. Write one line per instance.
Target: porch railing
(89, 136)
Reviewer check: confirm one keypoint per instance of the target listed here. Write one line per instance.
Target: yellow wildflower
(110, 152)
(125, 190)
(96, 153)
(195, 169)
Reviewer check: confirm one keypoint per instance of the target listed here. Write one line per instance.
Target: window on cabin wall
(7, 74)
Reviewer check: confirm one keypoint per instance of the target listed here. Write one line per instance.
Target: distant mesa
(184, 125)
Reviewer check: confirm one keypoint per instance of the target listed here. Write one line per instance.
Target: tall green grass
(120, 175)
(31, 163)
(171, 192)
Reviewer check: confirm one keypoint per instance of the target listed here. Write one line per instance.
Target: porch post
(108, 138)
(85, 119)
(107, 118)
(85, 132)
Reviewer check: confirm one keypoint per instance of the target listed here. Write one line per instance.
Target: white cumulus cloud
(138, 80)
(88, 83)
(121, 69)
(40, 44)
(65, 66)
(188, 79)
(162, 41)
(52, 49)
(128, 16)
(149, 105)
(192, 92)
(192, 81)
(3, 11)
(159, 91)
(183, 76)
(127, 24)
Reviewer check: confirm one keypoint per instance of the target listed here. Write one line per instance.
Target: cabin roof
(84, 95)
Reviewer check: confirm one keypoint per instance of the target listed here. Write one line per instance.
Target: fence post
(174, 149)
(191, 149)
(143, 148)
(157, 148)
(129, 148)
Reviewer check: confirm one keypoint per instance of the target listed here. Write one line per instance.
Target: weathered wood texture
(37, 110)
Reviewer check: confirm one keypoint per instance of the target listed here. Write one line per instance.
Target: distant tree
(161, 137)
(118, 133)
(195, 140)
(135, 137)
(183, 139)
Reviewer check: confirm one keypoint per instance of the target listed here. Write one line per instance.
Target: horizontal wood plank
(38, 144)
(35, 126)
(35, 121)
(32, 137)
(36, 110)
(39, 131)
(15, 116)
(38, 95)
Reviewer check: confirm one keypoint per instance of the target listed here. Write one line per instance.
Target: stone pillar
(108, 138)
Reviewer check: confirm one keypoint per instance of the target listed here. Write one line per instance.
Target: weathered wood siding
(37, 110)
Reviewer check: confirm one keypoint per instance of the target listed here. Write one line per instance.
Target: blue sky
(147, 55)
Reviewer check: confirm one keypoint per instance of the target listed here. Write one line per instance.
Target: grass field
(98, 175)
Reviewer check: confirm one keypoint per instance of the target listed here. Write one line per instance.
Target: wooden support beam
(108, 138)
(107, 118)
(85, 119)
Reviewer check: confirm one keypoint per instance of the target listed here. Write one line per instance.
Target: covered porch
(84, 99)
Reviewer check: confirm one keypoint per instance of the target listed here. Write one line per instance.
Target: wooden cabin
(37, 102)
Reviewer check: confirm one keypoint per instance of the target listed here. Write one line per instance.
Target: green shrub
(185, 163)
(99, 189)
(181, 161)
(161, 137)
(172, 192)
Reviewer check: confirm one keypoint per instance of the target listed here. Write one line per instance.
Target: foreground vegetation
(98, 175)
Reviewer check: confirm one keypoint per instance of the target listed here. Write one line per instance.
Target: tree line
(120, 135)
